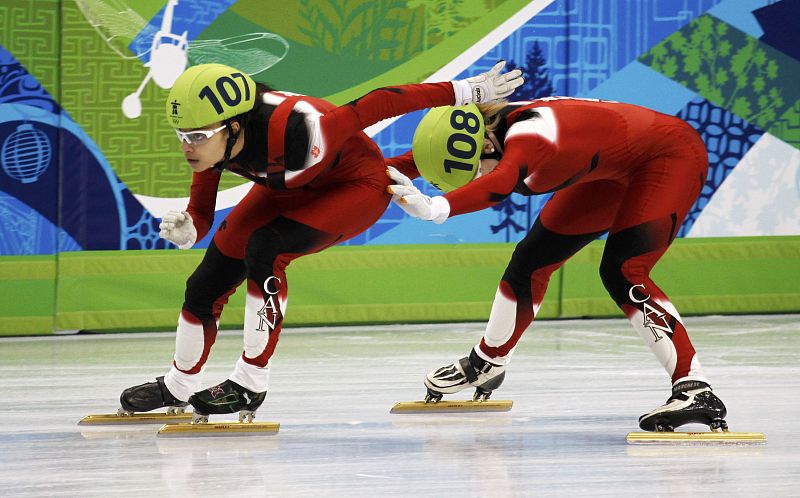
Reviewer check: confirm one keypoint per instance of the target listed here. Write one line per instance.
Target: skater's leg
(629, 256)
(207, 292)
(564, 226)
(311, 223)
(270, 250)
(522, 288)
(562, 229)
(652, 210)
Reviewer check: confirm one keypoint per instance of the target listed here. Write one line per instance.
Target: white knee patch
(261, 317)
(189, 343)
(502, 320)
(658, 342)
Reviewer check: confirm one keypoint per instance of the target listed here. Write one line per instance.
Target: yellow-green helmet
(209, 93)
(447, 146)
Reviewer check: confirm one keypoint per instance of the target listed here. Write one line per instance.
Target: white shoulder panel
(544, 125)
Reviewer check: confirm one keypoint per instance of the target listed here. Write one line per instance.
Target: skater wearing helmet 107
(613, 167)
(319, 180)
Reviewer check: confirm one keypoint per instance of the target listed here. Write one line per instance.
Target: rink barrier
(143, 290)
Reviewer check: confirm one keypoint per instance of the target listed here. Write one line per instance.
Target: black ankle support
(688, 385)
(470, 370)
(167, 396)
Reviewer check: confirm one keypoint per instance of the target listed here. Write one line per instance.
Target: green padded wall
(143, 290)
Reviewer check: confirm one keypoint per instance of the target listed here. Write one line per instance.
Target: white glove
(178, 228)
(414, 202)
(487, 86)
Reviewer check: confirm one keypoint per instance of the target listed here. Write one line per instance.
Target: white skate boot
(469, 371)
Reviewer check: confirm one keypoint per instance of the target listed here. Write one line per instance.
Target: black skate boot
(469, 371)
(228, 397)
(149, 396)
(691, 402)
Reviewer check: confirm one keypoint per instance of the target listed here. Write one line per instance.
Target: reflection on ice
(578, 388)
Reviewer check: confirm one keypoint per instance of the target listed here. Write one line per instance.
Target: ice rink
(578, 388)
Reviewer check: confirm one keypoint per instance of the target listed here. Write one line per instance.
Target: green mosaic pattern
(29, 31)
(143, 151)
(730, 69)
(787, 127)
(94, 82)
(349, 41)
(415, 39)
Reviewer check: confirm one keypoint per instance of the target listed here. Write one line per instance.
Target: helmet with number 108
(447, 146)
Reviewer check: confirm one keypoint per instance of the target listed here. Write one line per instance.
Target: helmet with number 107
(447, 146)
(207, 94)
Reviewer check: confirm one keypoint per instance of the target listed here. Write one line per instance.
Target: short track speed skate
(692, 402)
(227, 397)
(144, 398)
(469, 371)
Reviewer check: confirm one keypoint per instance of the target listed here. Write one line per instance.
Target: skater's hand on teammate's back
(488, 86)
(414, 202)
(178, 228)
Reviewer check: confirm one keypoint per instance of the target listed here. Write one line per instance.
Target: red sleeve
(347, 120)
(329, 130)
(521, 157)
(203, 200)
(404, 164)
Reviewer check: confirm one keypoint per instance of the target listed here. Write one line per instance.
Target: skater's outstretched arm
(328, 131)
(388, 102)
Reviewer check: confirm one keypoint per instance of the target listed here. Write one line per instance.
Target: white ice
(578, 388)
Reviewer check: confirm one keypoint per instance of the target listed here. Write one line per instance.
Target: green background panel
(787, 127)
(29, 29)
(425, 64)
(28, 290)
(290, 74)
(700, 276)
(385, 284)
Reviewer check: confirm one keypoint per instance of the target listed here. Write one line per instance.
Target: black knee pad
(214, 277)
(280, 236)
(615, 282)
(540, 248)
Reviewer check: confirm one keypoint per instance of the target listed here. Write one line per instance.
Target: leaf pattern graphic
(729, 68)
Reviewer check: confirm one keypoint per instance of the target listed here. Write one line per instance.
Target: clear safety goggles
(197, 137)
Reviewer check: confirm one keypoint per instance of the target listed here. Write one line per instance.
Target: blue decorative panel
(727, 138)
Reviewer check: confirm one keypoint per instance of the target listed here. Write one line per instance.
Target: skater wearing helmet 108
(319, 180)
(613, 167)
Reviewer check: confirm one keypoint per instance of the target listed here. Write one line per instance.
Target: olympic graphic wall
(89, 162)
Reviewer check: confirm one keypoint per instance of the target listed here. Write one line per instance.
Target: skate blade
(696, 437)
(469, 406)
(136, 418)
(219, 429)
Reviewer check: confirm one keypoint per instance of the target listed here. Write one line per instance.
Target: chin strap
(232, 137)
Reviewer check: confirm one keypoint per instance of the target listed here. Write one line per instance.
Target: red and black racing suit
(616, 168)
(319, 180)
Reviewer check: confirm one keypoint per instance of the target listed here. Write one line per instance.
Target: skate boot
(149, 396)
(228, 397)
(691, 402)
(469, 371)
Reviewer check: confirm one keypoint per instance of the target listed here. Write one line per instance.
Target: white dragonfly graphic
(131, 37)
